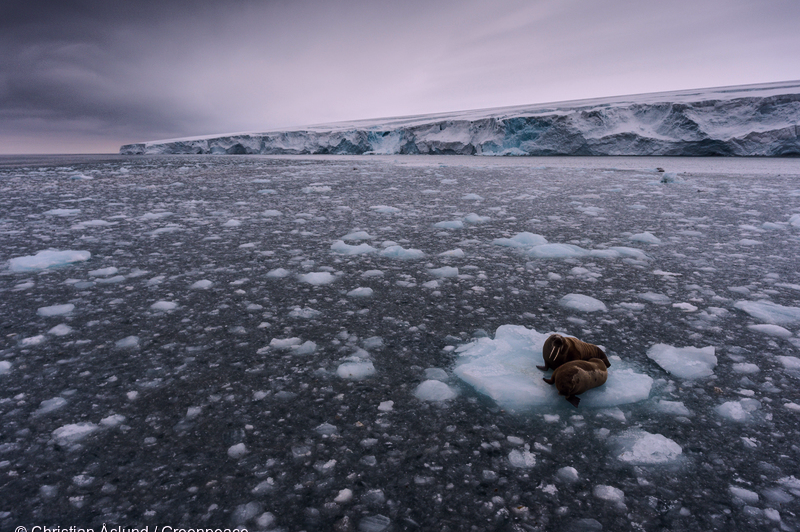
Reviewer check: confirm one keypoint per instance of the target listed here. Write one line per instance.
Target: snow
(47, 259)
(684, 362)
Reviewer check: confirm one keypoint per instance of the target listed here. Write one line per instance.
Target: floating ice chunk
(306, 313)
(60, 330)
(740, 410)
(111, 280)
(5, 367)
(33, 340)
(284, 343)
(609, 493)
(232, 223)
(582, 303)
(47, 259)
(374, 523)
(437, 374)
(504, 369)
(77, 176)
(344, 495)
(684, 362)
(521, 240)
(745, 367)
(62, 212)
(521, 458)
(317, 278)
(749, 242)
(237, 451)
(358, 235)
(675, 408)
(386, 406)
(647, 238)
(92, 223)
(747, 496)
(789, 362)
(384, 209)
(475, 219)
(652, 297)
(686, 307)
(474, 197)
(557, 251)
(112, 420)
(129, 342)
(361, 291)
(306, 348)
(346, 249)
(73, 433)
(203, 284)
(444, 271)
(50, 405)
(771, 330)
(164, 305)
(149, 216)
(103, 272)
(457, 253)
(433, 390)
(769, 312)
(371, 273)
(326, 429)
(449, 224)
(271, 213)
(356, 370)
(639, 447)
(55, 310)
(399, 252)
(278, 273)
(568, 474)
(315, 188)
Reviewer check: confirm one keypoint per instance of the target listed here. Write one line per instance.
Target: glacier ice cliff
(749, 120)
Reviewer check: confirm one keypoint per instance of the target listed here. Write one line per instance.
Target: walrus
(559, 349)
(578, 376)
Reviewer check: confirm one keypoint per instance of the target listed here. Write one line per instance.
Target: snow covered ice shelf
(289, 343)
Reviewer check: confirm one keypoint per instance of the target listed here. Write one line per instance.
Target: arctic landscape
(748, 120)
(349, 343)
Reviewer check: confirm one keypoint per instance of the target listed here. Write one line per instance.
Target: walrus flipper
(551, 380)
(574, 400)
(543, 368)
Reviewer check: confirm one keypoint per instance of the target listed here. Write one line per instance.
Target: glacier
(747, 120)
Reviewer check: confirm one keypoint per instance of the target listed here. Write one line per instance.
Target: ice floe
(639, 447)
(55, 310)
(582, 303)
(434, 390)
(770, 312)
(49, 258)
(684, 362)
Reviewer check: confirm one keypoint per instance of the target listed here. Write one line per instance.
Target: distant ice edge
(760, 120)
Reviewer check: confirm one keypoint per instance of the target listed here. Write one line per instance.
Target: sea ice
(55, 310)
(358, 235)
(475, 219)
(203, 284)
(582, 303)
(399, 252)
(5, 367)
(639, 447)
(62, 212)
(522, 459)
(449, 224)
(61, 329)
(73, 433)
(47, 259)
(356, 370)
(557, 251)
(385, 209)
(346, 249)
(444, 271)
(278, 273)
(103, 272)
(456, 253)
(128, 342)
(684, 362)
(647, 238)
(504, 368)
(521, 240)
(361, 291)
(434, 390)
(740, 410)
(771, 330)
(316, 278)
(769, 312)
(164, 305)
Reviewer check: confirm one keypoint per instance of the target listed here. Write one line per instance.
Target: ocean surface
(349, 343)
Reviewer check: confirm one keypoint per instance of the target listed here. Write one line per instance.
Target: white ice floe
(384, 209)
(399, 252)
(361, 291)
(5, 367)
(62, 212)
(684, 362)
(129, 342)
(522, 459)
(278, 273)
(50, 405)
(237, 451)
(745, 495)
(61, 329)
(92, 223)
(305, 313)
(164, 306)
(646, 237)
(271, 213)
(674, 408)
(316, 188)
(771, 330)
(232, 223)
(317, 278)
(55, 310)
(639, 447)
(356, 370)
(434, 390)
(437, 374)
(203, 284)
(769, 312)
(358, 235)
(582, 303)
(104, 272)
(49, 258)
(741, 410)
(475, 219)
(73, 433)
(789, 362)
(346, 249)
(449, 224)
(150, 216)
(609, 494)
(456, 253)
(557, 251)
(745, 367)
(444, 271)
(521, 240)
(285, 343)
(794, 220)
(371, 273)
(504, 369)
(652, 297)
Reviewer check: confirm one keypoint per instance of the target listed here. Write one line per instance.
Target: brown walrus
(559, 349)
(578, 376)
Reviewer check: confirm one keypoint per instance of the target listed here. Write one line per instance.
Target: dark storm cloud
(97, 74)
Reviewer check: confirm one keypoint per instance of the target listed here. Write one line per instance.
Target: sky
(87, 76)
